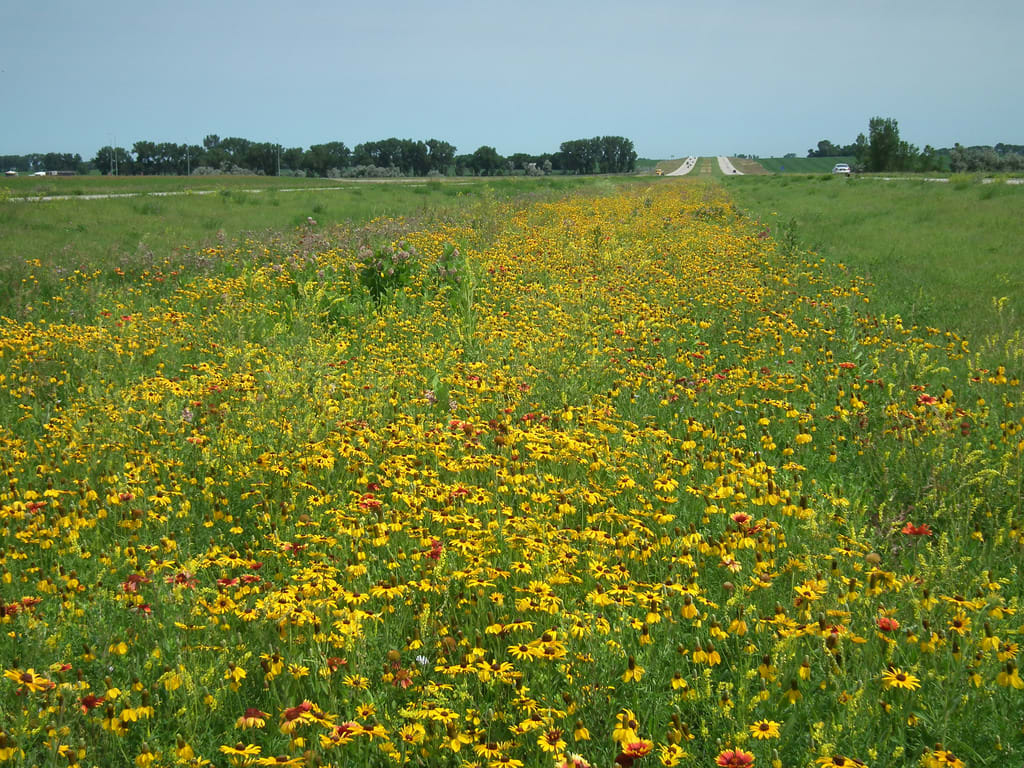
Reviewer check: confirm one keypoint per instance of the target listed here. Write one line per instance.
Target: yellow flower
(943, 758)
(236, 675)
(29, 679)
(626, 726)
(671, 755)
(241, 750)
(633, 671)
(838, 761)
(793, 695)
(897, 678)
(551, 740)
(1010, 677)
(764, 729)
(455, 739)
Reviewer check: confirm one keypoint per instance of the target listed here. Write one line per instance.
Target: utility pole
(188, 161)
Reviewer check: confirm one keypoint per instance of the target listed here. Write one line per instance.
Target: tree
(145, 157)
(415, 157)
(578, 155)
(322, 157)
(292, 158)
(883, 144)
(486, 160)
(825, 149)
(521, 160)
(440, 155)
(235, 151)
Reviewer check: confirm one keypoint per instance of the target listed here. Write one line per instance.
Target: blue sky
(704, 77)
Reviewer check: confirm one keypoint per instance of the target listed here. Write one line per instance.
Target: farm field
(583, 474)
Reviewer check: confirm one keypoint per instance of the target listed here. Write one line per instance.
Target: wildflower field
(610, 479)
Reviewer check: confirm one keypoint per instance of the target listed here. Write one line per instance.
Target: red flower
(639, 748)
(886, 624)
(436, 548)
(134, 579)
(734, 758)
(293, 713)
(90, 702)
(917, 530)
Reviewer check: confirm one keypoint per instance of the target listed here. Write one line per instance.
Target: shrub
(385, 270)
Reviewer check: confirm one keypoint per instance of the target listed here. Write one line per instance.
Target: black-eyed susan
(29, 680)
(764, 729)
(897, 678)
(551, 740)
(942, 758)
(671, 755)
(241, 750)
(839, 761)
(282, 761)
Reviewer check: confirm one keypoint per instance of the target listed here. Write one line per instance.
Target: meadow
(609, 474)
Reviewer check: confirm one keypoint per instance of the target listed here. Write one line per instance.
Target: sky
(690, 77)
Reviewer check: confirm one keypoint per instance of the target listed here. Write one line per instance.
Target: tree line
(387, 157)
(882, 149)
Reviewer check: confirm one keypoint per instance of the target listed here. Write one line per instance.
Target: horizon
(706, 80)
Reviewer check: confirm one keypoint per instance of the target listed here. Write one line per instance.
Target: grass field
(586, 475)
(939, 255)
(801, 164)
(38, 186)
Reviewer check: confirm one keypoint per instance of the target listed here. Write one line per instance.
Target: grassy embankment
(801, 164)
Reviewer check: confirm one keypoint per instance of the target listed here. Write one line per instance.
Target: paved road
(685, 168)
(727, 167)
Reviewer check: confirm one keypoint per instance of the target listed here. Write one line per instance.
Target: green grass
(36, 186)
(939, 255)
(801, 164)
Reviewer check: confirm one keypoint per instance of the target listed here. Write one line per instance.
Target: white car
(841, 168)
